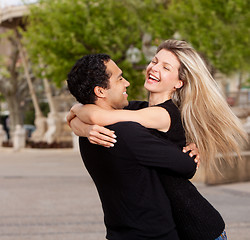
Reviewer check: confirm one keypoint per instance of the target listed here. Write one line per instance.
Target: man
(134, 202)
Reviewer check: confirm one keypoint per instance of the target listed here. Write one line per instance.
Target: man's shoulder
(83, 140)
(126, 125)
(130, 131)
(134, 132)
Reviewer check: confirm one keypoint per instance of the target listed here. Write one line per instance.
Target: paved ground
(47, 195)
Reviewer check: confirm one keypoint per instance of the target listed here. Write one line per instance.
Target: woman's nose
(155, 67)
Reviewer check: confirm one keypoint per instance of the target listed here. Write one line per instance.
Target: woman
(177, 76)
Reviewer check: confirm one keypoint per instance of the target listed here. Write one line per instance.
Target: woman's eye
(166, 68)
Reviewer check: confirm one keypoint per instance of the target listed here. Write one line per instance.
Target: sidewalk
(48, 195)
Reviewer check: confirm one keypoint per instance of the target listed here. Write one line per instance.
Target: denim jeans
(223, 236)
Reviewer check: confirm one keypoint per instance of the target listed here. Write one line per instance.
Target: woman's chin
(148, 86)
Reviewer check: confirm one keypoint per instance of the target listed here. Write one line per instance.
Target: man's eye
(166, 68)
(153, 61)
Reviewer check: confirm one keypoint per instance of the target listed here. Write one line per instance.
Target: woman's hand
(101, 136)
(95, 133)
(194, 151)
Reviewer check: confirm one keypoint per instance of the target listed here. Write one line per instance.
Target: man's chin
(124, 104)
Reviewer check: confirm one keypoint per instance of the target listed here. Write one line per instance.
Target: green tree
(220, 30)
(60, 32)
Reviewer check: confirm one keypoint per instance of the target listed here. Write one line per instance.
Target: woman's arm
(105, 137)
(150, 117)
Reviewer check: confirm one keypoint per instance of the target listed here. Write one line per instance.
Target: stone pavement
(48, 195)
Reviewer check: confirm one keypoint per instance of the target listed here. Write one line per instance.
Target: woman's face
(162, 74)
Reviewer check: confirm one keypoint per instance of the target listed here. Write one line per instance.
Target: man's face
(116, 95)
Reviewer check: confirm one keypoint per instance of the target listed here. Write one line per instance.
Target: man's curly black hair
(88, 72)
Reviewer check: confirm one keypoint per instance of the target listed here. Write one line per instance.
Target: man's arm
(152, 151)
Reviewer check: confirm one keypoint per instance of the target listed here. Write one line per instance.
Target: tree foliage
(61, 31)
(220, 30)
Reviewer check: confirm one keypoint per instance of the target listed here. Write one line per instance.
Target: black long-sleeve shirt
(134, 201)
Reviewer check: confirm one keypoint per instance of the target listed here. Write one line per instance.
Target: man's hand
(193, 152)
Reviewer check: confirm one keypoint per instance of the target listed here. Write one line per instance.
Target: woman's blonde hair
(207, 119)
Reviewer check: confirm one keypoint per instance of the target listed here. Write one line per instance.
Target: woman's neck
(155, 99)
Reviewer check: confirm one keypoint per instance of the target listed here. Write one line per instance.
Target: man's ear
(99, 92)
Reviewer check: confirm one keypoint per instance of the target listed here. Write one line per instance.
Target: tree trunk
(40, 120)
(237, 98)
(15, 113)
(54, 120)
(48, 93)
(38, 111)
(13, 88)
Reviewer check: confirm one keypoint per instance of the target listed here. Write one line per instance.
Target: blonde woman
(185, 105)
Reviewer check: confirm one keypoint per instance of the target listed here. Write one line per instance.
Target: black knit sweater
(194, 216)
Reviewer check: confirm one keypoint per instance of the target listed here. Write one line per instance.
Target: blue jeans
(223, 236)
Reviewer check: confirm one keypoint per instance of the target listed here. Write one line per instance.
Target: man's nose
(127, 83)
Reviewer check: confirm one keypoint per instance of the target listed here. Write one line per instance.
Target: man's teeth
(124, 93)
(154, 78)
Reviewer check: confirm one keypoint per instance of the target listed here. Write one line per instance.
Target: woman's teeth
(154, 78)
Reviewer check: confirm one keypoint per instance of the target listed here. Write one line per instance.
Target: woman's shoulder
(168, 104)
(136, 105)
(172, 109)
(176, 132)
